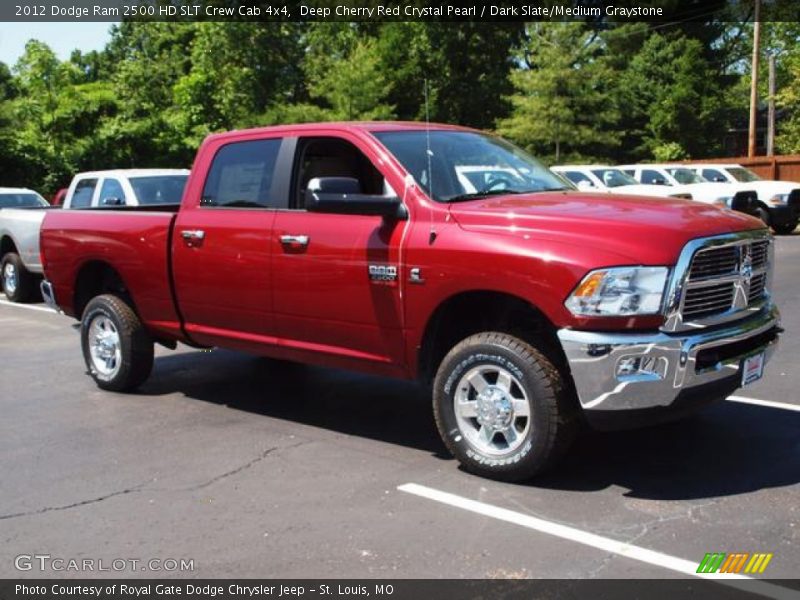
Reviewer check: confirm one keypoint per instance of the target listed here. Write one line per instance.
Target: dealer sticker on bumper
(752, 368)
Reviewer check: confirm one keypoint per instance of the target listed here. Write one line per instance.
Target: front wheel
(17, 280)
(785, 228)
(117, 349)
(501, 407)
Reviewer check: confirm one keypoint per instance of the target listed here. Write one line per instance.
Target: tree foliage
(566, 91)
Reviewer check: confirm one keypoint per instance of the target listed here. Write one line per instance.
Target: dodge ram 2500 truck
(528, 306)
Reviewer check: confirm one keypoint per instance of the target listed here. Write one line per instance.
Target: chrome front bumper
(633, 371)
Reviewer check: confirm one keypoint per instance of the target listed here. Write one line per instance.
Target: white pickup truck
(21, 215)
(739, 196)
(19, 229)
(778, 201)
(604, 178)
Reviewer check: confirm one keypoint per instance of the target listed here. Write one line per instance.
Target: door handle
(193, 234)
(193, 237)
(294, 240)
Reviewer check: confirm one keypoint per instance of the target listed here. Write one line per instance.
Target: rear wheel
(501, 407)
(18, 282)
(117, 349)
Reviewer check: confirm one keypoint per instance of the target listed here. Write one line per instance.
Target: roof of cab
(16, 190)
(371, 126)
(133, 173)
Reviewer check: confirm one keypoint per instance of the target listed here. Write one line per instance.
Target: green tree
(563, 106)
(673, 99)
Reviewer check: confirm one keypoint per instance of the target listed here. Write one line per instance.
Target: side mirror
(659, 181)
(745, 202)
(112, 201)
(585, 186)
(342, 195)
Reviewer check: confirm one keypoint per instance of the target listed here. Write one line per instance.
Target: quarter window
(241, 175)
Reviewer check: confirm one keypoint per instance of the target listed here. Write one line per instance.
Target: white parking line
(29, 306)
(652, 557)
(769, 403)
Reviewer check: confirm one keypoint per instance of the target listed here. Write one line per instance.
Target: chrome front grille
(719, 279)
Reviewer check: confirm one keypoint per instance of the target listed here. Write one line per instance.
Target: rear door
(222, 243)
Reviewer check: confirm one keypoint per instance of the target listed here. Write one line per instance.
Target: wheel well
(472, 312)
(7, 245)
(97, 278)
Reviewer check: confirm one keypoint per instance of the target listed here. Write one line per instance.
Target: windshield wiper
(487, 193)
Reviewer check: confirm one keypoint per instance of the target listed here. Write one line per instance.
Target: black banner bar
(674, 11)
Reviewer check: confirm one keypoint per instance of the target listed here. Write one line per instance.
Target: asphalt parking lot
(255, 468)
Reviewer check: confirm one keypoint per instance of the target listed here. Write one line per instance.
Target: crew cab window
(653, 177)
(110, 190)
(241, 175)
(333, 157)
(84, 190)
(577, 177)
(713, 175)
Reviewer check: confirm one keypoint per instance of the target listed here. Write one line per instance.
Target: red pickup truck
(430, 252)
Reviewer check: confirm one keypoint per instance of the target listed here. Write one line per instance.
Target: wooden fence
(783, 168)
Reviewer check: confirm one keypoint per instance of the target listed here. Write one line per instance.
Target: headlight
(619, 291)
(723, 202)
(778, 199)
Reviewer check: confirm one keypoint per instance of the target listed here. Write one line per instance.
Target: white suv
(126, 187)
(778, 201)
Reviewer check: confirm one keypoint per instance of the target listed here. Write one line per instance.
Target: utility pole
(771, 108)
(751, 137)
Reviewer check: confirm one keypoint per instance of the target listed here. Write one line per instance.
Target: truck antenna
(429, 154)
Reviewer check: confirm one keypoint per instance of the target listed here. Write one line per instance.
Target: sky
(63, 38)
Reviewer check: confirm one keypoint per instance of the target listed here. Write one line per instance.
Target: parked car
(126, 187)
(527, 305)
(19, 230)
(738, 197)
(21, 214)
(778, 201)
(604, 178)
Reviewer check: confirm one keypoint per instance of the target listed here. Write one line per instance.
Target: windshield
(614, 177)
(22, 200)
(684, 175)
(464, 165)
(742, 174)
(161, 189)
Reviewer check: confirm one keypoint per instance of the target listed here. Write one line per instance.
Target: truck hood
(645, 189)
(768, 189)
(638, 229)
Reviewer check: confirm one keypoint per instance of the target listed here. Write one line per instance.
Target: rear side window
(84, 190)
(241, 175)
(713, 175)
(111, 191)
(653, 177)
(576, 177)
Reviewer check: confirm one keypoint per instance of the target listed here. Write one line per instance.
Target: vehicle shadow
(393, 411)
(726, 449)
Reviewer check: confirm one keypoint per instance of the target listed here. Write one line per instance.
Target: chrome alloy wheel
(10, 281)
(104, 347)
(492, 410)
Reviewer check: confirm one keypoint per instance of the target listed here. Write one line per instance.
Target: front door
(336, 278)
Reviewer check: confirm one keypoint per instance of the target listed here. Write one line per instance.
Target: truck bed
(134, 242)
